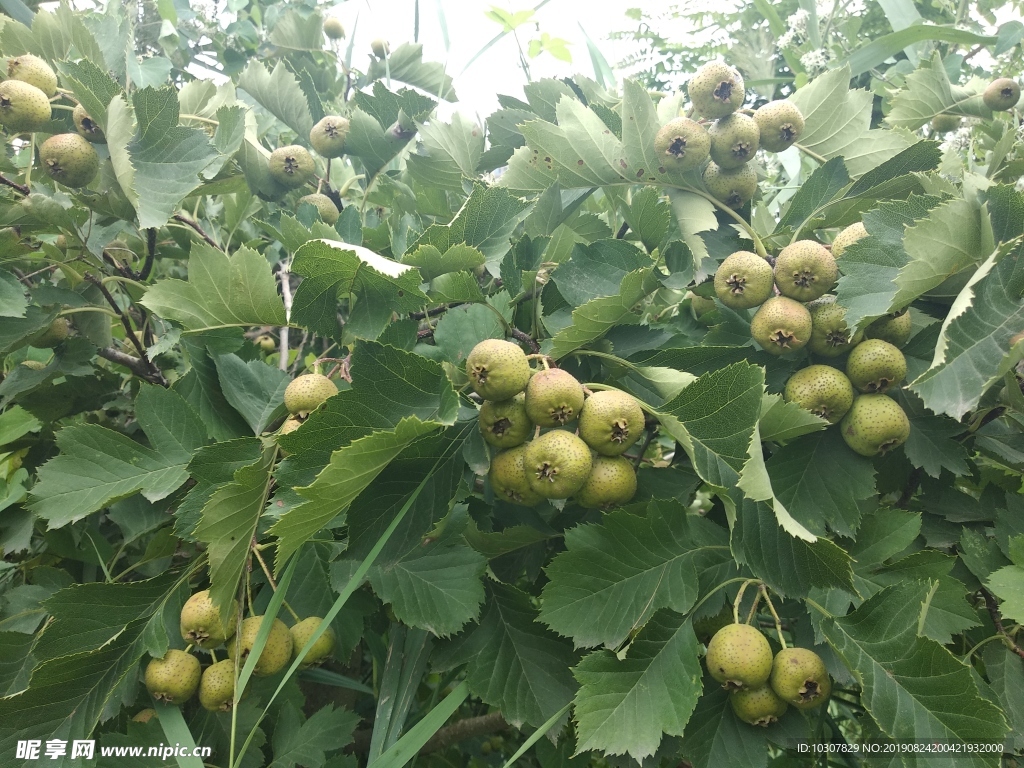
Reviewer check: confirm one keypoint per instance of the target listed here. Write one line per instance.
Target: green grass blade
(407, 747)
(333, 679)
(176, 731)
(538, 735)
(442, 21)
(602, 70)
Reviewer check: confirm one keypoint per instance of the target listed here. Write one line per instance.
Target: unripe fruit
(822, 390)
(830, 336)
(380, 48)
(682, 144)
(87, 127)
(505, 423)
(557, 464)
(324, 206)
(144, 715)
(739, 657)
(217, 687)
(780, 123)
(308, 392)
(781, 325)
(333, 28)
(701, 306)
(716, 90)
(52, 335)
(875, 365)
(174, 678)
(201, 624)
(1002, 95)
(69, 159)
(322, 648)
(265, 342)
(848, 237)
(805, 270)
(758, 706)
(799, 678)
(328, 136)
(290, 425)
(895, 328)
(508, 478)
(611, 483)
(33, 365)
(945, 123)
(291, 166)
(276, 653)
(23, 107)
(734, 140)
(732, 187)
(611, 421)
(744, 280)
(34, 71)
(553, 398)
(497, 369)
(875, 425)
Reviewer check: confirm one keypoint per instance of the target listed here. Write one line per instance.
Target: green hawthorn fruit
(380, 48)
(739, 657)
(557, 464)
(781, 325)
(69, 159)
(52, 335)
(508, 478)
(611, 421)
(505, 423)
(217, 686)
(682, 144)
(291, 166)
(875, 365)
(1002, 94)
(265, 342)
(895, 328)
(497, 369)
(848, 237)
(945, 123)
(780, 124)
(174, 678)
(734, 140)
(830, 336)
(700, 307)
(744, 280)
(23, 107)
(706, 626)
(308, 392)
(34, 71)
(144, 715)
(33, 365)
(322, 648)
(333, 28)
(553, 398)
(611, 483)
(799, 678)
(290, 425)
(732, 187)
(324, 206)
(276, 653)
(758, 706)
(86, 126)
(328, 136)
(805, 270)
(716, 90)
(822, 390)
(201, 623)
(875, 425)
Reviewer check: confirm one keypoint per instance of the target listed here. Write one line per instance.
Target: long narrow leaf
(407, 747)
(538, 735)
(176, 731)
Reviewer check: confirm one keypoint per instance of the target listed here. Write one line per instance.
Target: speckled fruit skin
(895, 328)
(217, 686)
(308, 392)
(333, 28)
(291, 166)
(1002, 95)
(735, 187)
(611, 421)
(739, 657)
(325, 207)
(328, 136)
(822, 390)
(508, 478)
(497, 369)
(322, 648)
(780, 124)
(734, 140)
(875, 425)
(174, 678)
(945, 123)
(799, 678)
(758, 706)
(848, 237)
(505, 423)
(276, 653)
(34, 71)
(69, 159)
(875, 365)
(557, 464)
(23, 107)
(52, 335)
(553, 398)
(611, 483)
(87, 128)
(682, 144)
(200, 621)
(744, 280)
(830, 336)
(144, 715)
(805, 270)
(781, 325)
(716, 90)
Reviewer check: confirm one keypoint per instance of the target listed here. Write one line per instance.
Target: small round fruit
(945, 123)
(380, 48)
(144, 715)
(732, 187)
(805, 270)
(682, 144)
(875, 365)
(895, 328)
(611, 483)
(780, 123)
(308, 392)
(553, 398)
(333, 28)
(734, 140)
(799, 678)
(1002, 94)
(174, 678)
(33, 365)
(758, 706)
(830, 336)
(611, 421)
(875, 425)
(217, 687)
(557, 464)
(86, 126)
(700, 307)
(497, 369)
(276, 653)
(34, 71)
(265, 342)
(505, 423)
(291, 166)
(23, 107)
(508, 478)
(716, 90)
(290, 425)
(328, 136)
(848, 237)
(739, 657)
(52, 335)
(322, 648)
(69, 159)
(822, 390)
(781, 325)
(201, 623)
(744, 280)
(324, 206)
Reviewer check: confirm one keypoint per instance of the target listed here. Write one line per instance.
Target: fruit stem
(739, 599)
(811, 153)
(763, 590)
(604, 356)
(753, 607)
(758, 245)
(542, 358)
(31, 160)
(62, 106)
(101, 310)
(273, 584)
(723, 585)
(188, 648)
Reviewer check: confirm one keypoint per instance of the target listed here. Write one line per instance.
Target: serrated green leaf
(781, 421)
(927, 92)
(815, 193)
(298, 743)
(448, 153)
(279, 93)
(597, 270)
(254, 389)
(406, 65)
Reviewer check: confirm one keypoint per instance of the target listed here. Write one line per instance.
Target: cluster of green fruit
(177, 676)
(558, 464)
(717, 92)
(763, 685)
(303, 395)
(293, 166)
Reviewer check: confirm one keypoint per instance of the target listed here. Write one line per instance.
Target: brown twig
(913, 481)
(147, 266)
(622, 231)
(648, 439)
(199, 230)
(452, 734)
(134, 364)
(997, 619)
(525, 338)
(14, 185)
(129, 332)
(435, 311)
